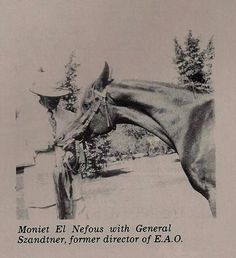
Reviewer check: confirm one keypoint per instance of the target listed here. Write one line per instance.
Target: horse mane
(153, 85)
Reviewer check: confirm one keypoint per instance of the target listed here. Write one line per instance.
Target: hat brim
(50, 92)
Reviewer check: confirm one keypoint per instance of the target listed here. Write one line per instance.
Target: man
(68, 163)
(58, 118)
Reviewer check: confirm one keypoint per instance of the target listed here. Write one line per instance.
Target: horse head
(93, 117)
(94, 101)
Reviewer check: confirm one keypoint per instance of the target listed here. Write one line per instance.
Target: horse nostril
(61, 138)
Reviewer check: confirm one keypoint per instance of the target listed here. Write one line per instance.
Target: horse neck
(160, 108)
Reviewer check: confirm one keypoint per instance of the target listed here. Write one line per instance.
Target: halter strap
(103, 94)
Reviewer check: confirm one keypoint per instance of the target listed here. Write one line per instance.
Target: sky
(134, 36)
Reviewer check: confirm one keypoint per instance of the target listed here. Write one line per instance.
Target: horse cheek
(95, 128)
(99, 124)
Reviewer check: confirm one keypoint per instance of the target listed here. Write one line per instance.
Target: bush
(98, 150)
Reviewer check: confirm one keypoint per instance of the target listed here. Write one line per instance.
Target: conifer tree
(71, 72)
(193, 64)
(210, 55)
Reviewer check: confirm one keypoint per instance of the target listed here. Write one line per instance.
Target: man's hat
(48, 88)
(50, 92)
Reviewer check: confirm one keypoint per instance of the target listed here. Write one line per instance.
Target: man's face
(49, 102)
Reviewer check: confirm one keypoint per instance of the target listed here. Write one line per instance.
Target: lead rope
(53, 123)
(67, 169)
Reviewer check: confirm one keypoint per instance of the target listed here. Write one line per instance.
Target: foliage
(135, 131)
(193, 64)
(126, 145)
(210, 55)
(69, 101)
(126, 142)
(98, 150)
(137, 138)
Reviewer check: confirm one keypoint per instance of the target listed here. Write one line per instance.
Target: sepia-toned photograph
(116, 108)
(120, 140)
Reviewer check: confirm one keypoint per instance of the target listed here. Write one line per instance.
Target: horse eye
(85, 106)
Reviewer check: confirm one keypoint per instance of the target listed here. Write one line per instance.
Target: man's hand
(69, 145)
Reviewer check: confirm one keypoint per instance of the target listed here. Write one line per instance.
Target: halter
(103, 101)
(100, 98)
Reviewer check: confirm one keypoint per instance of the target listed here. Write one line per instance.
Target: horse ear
(103, 79)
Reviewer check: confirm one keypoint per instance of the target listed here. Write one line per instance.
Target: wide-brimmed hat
(48, 88)
(50, 92)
